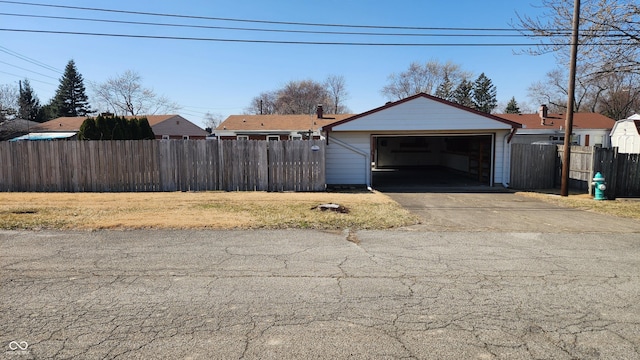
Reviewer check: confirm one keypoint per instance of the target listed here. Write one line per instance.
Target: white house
(421, 131)
(625, 135)
(589, 129)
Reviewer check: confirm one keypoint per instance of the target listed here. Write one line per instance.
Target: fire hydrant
(599, 186)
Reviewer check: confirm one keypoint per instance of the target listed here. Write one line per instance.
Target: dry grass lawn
(200, 210)
(628, 208)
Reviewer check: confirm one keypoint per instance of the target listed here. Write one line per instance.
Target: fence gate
(533, 166)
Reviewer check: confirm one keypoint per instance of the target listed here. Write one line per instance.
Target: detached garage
(417, 140)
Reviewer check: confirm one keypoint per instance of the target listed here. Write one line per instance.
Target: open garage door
(432, 160)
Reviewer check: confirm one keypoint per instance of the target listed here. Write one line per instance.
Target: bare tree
(609, 45)
(620, 95)
(124, 95)
(263, 104)
(212, 120)
(423, 78)
(552, 91)
(9, 96)
(301, 97)
(337, 89)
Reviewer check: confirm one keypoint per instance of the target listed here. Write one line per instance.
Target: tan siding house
(163, 126)
(276, 127)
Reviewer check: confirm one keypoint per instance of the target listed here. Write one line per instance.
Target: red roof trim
(388, 105)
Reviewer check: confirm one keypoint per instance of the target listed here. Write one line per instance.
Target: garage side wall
(502, 153)
(348, 160)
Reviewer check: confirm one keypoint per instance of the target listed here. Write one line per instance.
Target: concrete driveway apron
(502, 211)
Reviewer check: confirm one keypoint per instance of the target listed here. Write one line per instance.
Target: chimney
(543, 112)
(319, 111)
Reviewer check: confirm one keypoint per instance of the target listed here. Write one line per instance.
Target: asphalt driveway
(492, 209)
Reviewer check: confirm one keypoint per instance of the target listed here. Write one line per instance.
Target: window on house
(185, 137)
(295, 137)
(242, 137)
(165, 137)
(273, 137)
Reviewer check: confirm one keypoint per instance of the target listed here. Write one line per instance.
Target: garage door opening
(432, 161)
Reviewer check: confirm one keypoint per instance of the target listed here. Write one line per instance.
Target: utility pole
(566, 156)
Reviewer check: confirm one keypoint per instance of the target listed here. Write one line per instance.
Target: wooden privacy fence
(533, 166)
(621, 172)
(165, 165)
(539, 167)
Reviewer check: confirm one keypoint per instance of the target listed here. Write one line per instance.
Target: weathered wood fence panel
(621, 172)
(581, 167)
(167, 165)
(530, 166)
(533, 166)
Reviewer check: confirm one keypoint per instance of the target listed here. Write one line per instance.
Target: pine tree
(463, 94)
(484, 94)
(146, 132)
(28, 103)
(70, 98)
(445, 89)
(512, 107)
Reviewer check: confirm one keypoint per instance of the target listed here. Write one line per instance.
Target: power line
(264, 21)
(66, 18)
(275, 41)
(21, 68)
(44, 82)
(30, 60)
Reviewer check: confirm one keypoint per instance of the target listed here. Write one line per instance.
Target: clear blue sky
(223, 77)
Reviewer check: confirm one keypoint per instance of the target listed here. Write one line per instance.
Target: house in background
(163, 126)
(589, 129)
(276, 127)
(626, 135)
(10, 129)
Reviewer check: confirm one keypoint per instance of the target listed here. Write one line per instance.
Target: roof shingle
(557, 121)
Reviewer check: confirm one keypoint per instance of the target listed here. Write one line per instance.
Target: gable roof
(74, 123)
(557, 121)
(632, 121)
(429, 97)
(278, 122)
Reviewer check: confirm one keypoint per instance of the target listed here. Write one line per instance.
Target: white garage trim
(348, 164)
(349, 160)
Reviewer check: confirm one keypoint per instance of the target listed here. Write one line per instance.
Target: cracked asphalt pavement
(293, 294)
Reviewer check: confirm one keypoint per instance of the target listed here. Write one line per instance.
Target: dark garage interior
(431, 161)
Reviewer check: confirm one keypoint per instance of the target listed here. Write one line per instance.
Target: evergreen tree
(146, 133)
(463, 94)
(28, 103)
(445, 89)
(484, 94)
(115, 128)
(70, 98)
(47, 112)
(512, 107)
(89, 130)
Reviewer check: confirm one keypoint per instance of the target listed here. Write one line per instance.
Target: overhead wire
(288, 42)
(25, 69)
(30, 79)
(476, 32)
(248, 20)
(67, 18)
(30, 60)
